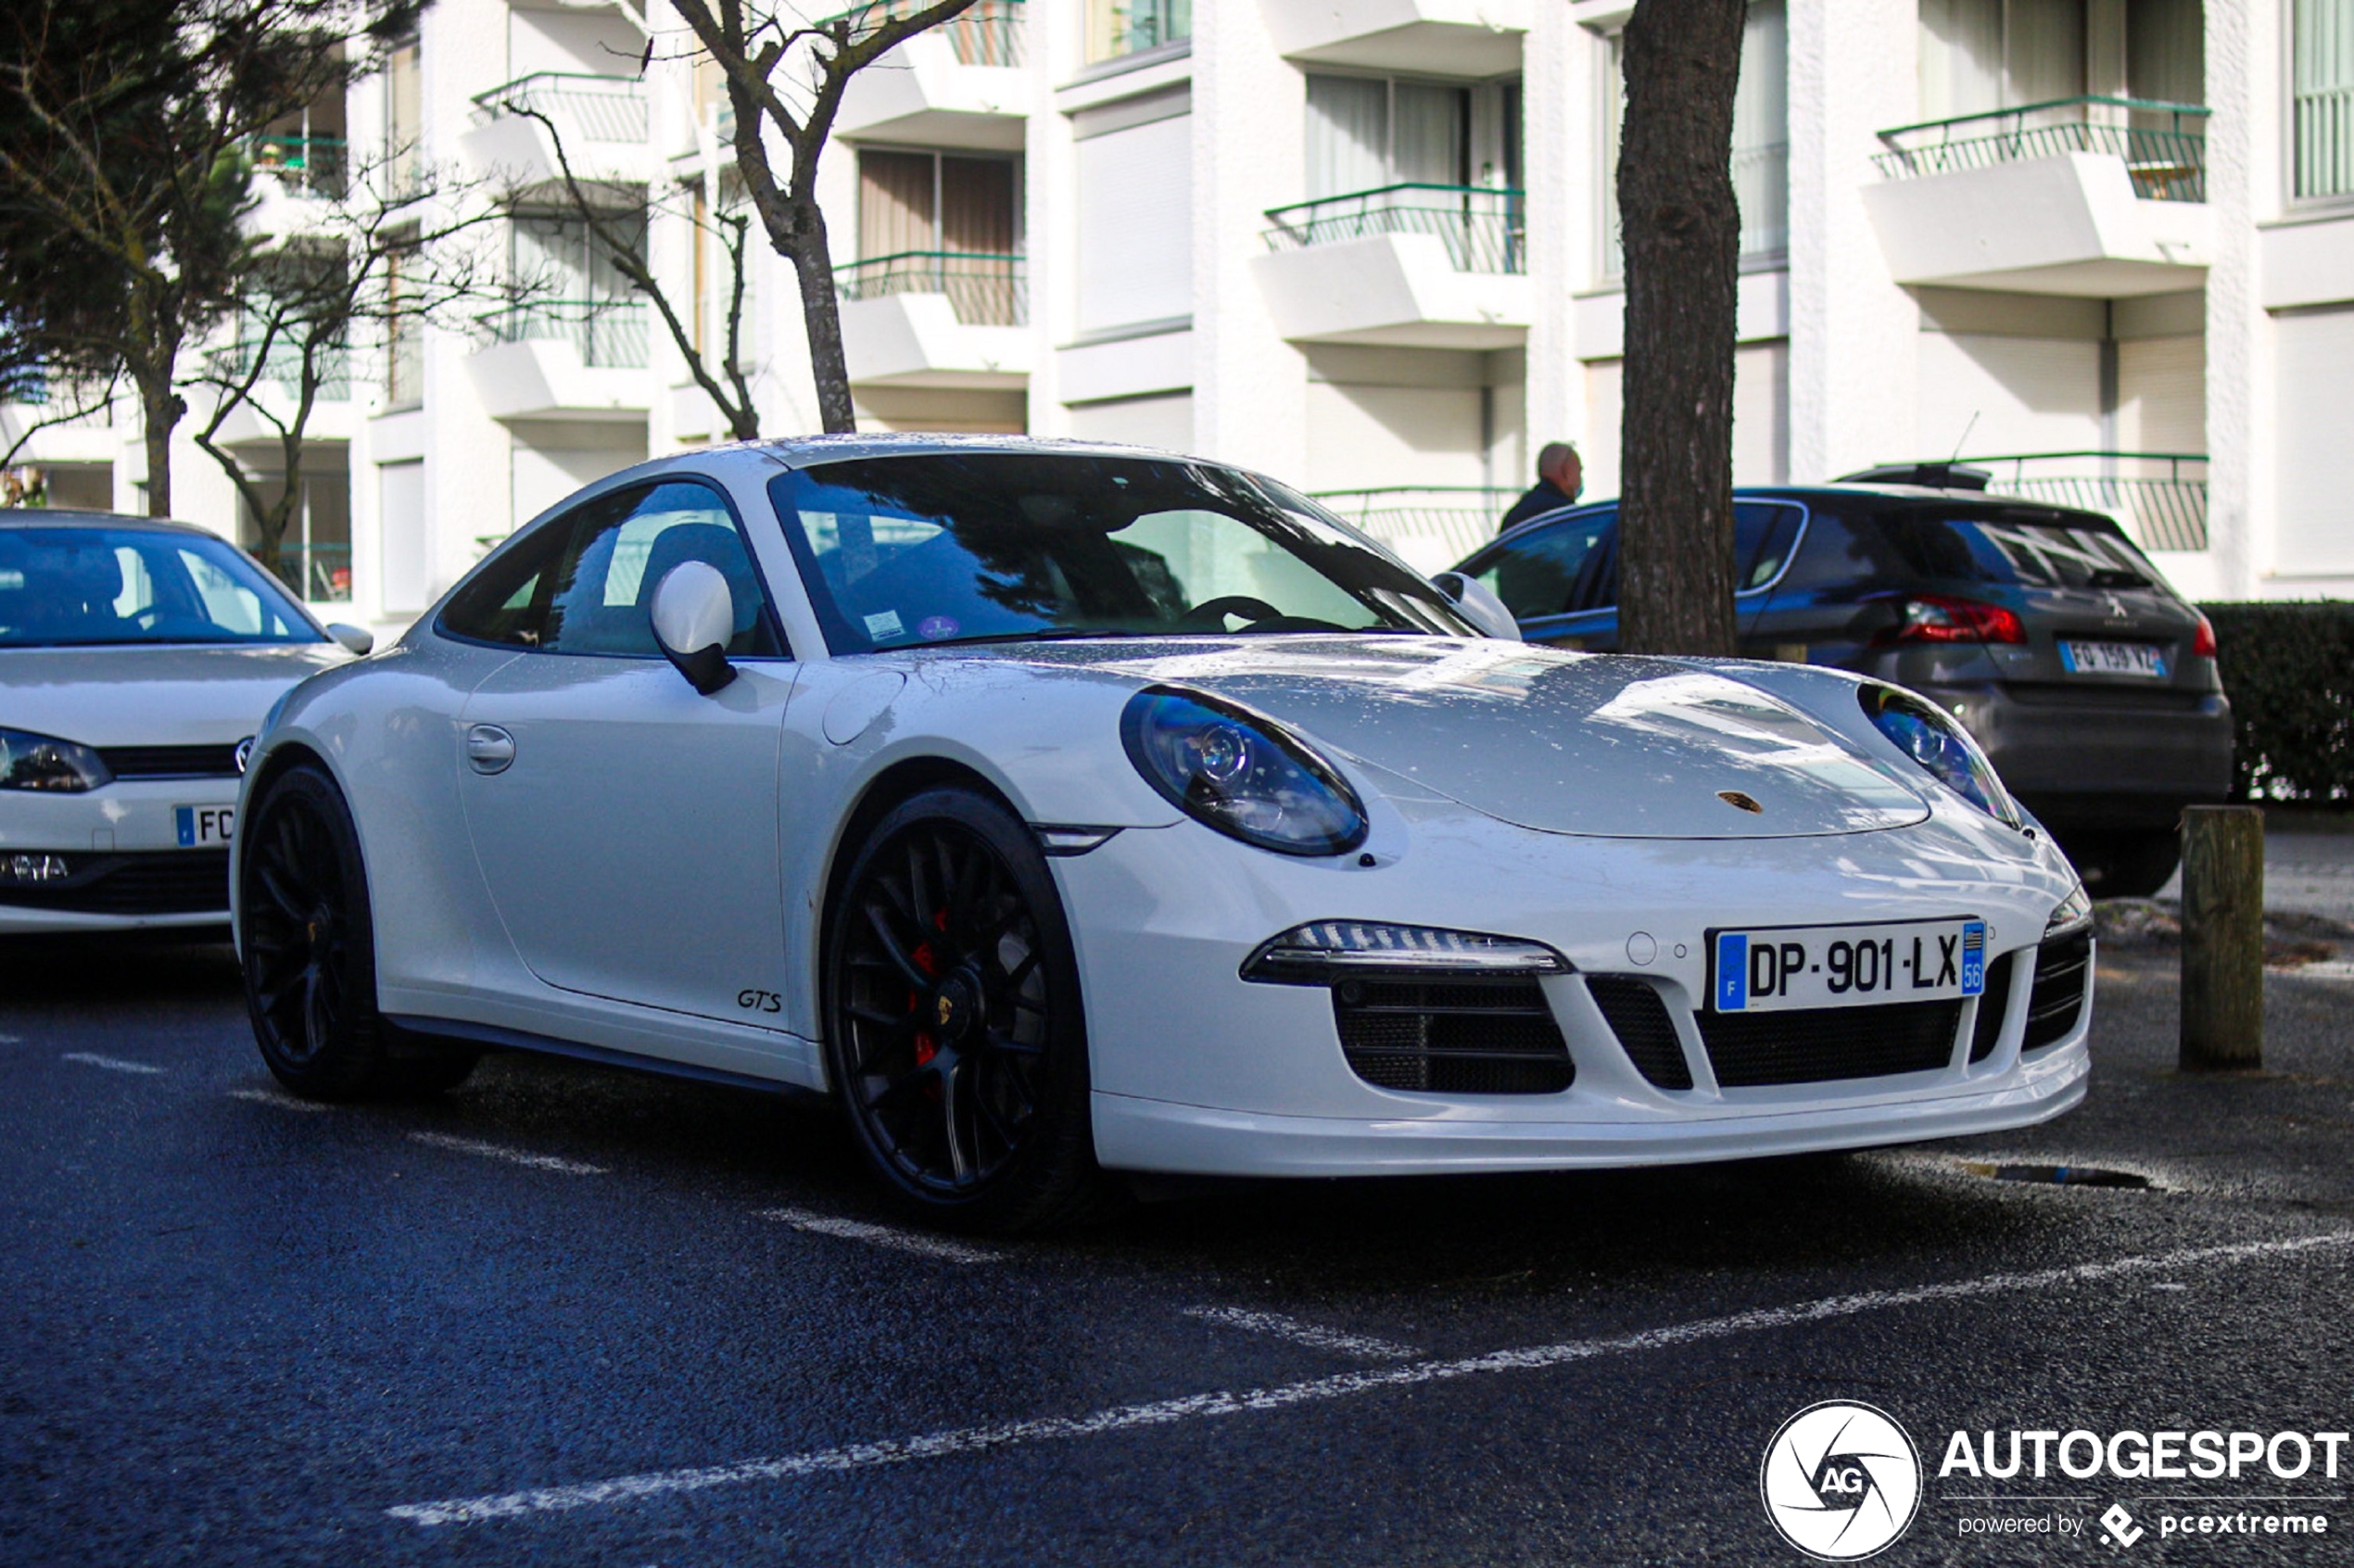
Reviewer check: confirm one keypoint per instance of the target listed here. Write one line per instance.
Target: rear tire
(954, 1035)
(305, 935)
(2125, 865)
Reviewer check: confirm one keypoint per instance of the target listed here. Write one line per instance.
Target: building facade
(2105, 248)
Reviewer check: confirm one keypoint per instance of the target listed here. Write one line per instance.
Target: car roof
(801, 451)
(46, 517)
(1970, 503)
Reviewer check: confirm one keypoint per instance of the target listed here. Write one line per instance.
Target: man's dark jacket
(1544, 496)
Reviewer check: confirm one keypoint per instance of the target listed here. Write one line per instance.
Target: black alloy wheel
(309, 951)
(954, 1035)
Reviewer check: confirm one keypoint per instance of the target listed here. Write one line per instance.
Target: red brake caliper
(929, 962)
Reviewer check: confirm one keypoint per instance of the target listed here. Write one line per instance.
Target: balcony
(565, 358)
(1407, 266)
(602, 120)
(291, 179)
(1473, 38)
(2097, 197)
(2160, 498)
(277, 391)
(1431, 526)
(958, 85)
(933, 318)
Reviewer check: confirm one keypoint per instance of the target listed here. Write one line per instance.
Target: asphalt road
(238, 1330)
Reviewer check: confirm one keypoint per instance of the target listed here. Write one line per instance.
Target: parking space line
(884, 1236)
(112, 1064)
(1363, 1346)
(1225, 1402)
(283, 1102)
(512, 1156)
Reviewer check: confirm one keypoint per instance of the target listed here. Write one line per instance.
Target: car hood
(167, 695)
(1603, 745)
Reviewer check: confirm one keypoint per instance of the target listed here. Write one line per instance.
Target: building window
(404, 334)
(932, 222)
(404, 116)
(1116, 28)
(2324, 69)
(569, 289)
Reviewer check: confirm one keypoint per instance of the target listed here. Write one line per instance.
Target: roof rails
(1933, 476)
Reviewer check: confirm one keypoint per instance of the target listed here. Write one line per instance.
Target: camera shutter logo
(1841, 1481)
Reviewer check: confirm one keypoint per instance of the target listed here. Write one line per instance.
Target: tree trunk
(1682, 238)
(160, 411)
(821, 315)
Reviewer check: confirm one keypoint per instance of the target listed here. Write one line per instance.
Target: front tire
(955, 1033)
(308, 942)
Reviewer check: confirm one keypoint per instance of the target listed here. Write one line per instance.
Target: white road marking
(283, 1102)
(1225, 1402)
(512, 1156)
(1363, 1346)
(112, 1064)
(883, 1236)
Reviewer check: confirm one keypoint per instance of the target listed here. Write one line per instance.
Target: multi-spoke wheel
(954, 1035)
(309, 952)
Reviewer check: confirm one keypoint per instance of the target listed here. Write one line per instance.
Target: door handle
(489, 749)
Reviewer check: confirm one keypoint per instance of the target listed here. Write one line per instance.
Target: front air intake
(1451, 1034)
(1645, 1032)
(2058, 994)
(1821, 1044)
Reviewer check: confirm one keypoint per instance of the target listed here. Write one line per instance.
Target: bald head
(1558, 463)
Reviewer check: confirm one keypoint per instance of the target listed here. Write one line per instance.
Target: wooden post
(2222, 938)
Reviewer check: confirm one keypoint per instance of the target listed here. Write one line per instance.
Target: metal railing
(2166, 160)
(284, 368)
(989, 33)
(1116, 29)
(592, 108)
(307, 164)
(1483, 227)
(609, 334)
(2159, 497)
(321, 574)
(2323, 132)
(1432, 526)
(983, 290)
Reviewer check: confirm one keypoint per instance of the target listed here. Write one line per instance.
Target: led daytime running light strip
(1308, 954)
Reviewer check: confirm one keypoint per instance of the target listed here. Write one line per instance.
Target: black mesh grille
(2059, 997)
(1639, 1019)
(1988, 1031)
(165, 882)
(171, 761)
(1453, 1036)
(1817, 1044)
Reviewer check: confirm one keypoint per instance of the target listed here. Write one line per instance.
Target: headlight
(1240, 773)
(2073, 910)
(44, 761)
(1931, 738)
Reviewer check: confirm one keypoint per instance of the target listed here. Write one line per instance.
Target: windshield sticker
(931, 628)
(883, 624)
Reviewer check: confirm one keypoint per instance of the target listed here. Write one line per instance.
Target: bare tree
(1682, 236)
(791, 74)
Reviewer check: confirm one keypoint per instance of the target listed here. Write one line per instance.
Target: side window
(599, 597)
(1841, 553)
(1553, 569)
(506, 599)
(1763, 535)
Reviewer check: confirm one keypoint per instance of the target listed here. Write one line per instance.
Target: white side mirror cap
(359, 640)
(694, 614)
(1478, 605)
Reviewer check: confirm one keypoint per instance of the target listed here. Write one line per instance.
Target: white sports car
(137, 658)
(1068, 809)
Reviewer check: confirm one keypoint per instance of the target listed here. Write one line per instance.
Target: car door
(626, 826)
(1550, 574)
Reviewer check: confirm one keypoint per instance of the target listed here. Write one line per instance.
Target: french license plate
(199, 826)
(2113, 659)
(1773, 969)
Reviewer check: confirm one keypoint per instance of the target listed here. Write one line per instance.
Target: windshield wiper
(1036, 634)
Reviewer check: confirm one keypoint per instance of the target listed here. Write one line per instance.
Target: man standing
(1560, 475)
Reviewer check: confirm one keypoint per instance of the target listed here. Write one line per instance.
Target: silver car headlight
(1241, 773)
(1946, 751)
(44, 761)
(2074, 910)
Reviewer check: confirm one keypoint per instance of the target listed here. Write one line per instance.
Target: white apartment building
(2104, 246)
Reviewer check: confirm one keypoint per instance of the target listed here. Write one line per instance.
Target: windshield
(82, 586)
(2029, 554)
(967, 547)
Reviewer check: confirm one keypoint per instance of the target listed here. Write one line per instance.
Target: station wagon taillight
(1933, 617)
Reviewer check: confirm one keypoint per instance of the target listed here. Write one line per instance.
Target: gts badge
(760, 1001)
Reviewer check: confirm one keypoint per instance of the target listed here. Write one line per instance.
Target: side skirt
(493, 1037)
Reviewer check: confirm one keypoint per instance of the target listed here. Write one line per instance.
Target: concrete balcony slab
(916, 340)
(925, 94)
(2068, 224)
(547, 379)
(1398, 290)
(1474, 38)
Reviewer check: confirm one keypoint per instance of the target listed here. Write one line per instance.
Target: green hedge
(2289, 670)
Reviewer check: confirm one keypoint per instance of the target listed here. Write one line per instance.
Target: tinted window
(1841, 552)
(73, 587)
(1539, 572)
(1763, 535)
(958, 548)
(2029, 553)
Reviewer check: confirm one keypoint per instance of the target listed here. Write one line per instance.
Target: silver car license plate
(2113, 659)
(1774, 969)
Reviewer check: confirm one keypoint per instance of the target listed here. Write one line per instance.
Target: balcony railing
(2160, 497)
(581, 107)
(2324, 132)
(609, 334)
(2166, 156)
(311, 166)
(989, 33)
(284, 368)
(1117, 29)
(320, 573)
(983, 290)
(1432, 526)
(1482, 226)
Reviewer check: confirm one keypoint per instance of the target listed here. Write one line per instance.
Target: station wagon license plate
(2113, 659)
(1778, 968)
(199, 826)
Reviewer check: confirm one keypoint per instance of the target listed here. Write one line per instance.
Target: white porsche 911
(1067, 810)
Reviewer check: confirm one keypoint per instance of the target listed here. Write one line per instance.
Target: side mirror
(1478, 604)
(694, 614)
(359, 640)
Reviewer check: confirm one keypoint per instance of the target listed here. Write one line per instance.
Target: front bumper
(1196, 1071)
(128, 870)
